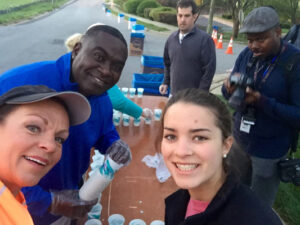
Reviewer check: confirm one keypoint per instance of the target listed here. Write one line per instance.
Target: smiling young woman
(195, 140)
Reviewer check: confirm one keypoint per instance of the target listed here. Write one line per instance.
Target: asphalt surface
(43, 38)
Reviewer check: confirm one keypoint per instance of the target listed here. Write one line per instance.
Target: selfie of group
(226, 153)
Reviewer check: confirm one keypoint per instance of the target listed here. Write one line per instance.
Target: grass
(287, 203)
(6, 4)
(29, 12)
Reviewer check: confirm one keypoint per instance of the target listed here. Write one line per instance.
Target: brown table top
(135, 191)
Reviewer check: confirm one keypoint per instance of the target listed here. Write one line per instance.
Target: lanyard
(269, 69)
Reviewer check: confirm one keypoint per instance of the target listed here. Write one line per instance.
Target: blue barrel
(152, 64)
(150, 82)
(137, 28)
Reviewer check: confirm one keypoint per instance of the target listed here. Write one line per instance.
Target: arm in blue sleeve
(290, 113)
(123, 104)
(37, 200)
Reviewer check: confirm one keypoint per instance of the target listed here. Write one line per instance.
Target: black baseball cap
(77, 105)
(260, 20)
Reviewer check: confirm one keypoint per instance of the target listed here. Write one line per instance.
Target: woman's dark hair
(203, 99)
(186, 4)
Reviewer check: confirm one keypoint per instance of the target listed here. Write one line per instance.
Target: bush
(147, 12)
(146, 4)
(285, 25)
(164, 14)
(131, 5)
(227, 16)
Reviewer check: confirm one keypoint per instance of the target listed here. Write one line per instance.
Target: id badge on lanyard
(246, 124)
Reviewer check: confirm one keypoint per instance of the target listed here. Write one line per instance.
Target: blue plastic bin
(152, 64)
(150, 82)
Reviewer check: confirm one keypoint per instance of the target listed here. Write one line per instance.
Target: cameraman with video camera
(264, 90)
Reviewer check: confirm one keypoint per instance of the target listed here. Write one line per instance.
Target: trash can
(137, 28)
(131, 22)
(152, 64)
(150, 82)
(136, 44)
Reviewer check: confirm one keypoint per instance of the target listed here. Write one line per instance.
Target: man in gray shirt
(189, 54)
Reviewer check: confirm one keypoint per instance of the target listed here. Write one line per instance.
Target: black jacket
(234, 204)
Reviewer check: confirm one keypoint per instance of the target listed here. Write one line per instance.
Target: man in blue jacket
(266, 116)
(93, 67)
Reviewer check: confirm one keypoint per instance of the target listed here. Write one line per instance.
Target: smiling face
(97, 64)
(185, 19)
(264, 44)
(193, 147)
(31, 138)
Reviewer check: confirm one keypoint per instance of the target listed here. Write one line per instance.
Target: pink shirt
(195, 207)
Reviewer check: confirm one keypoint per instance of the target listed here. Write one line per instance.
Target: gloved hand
(119, 152)
(67, 203)
(147, 113)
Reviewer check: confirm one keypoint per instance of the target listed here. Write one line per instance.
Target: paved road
(43, 38)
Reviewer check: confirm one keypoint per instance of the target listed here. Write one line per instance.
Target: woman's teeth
(186, 167)
(35, 160)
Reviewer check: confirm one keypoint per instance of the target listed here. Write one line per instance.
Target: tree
(288, 10)
(236, 8)
(211, 16)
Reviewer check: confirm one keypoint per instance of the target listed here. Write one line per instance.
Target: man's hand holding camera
(252, 96)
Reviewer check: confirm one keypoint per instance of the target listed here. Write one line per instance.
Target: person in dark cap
(34, 124)
(94, 66)
(264, 89)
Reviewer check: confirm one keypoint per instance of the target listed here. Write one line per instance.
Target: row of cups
(133, 91)
(118, 219)
(117, 115)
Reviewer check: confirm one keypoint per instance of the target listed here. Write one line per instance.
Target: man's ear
(195, 16)
(278, 31)
(76, 49)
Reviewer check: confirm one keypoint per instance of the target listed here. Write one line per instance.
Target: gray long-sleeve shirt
(192, 63)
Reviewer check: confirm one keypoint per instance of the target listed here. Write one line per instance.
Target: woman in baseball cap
(34, 123)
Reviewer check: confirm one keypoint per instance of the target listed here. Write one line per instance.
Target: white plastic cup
(93, 222)
(116, 118)
(94, 186)
(157, 114)
(148, 121)
(132, 92)
(116, 219)
(126, 120)
(157, 222)
(137, 122)
(125, 91)
(95, 212)
(137, 222)
(140, 92)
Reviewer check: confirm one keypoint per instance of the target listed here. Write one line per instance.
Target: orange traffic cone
(229, 48)
(220, 42)
(215, 38)
(213, 34)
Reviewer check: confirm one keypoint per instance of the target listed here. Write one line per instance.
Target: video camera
(237, 99)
